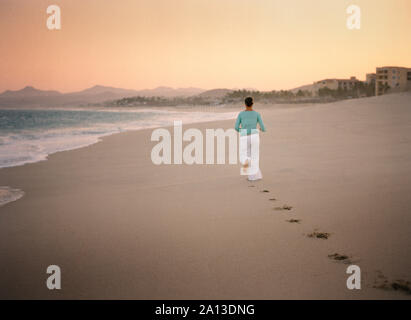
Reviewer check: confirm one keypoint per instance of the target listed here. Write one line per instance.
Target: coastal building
(370, 78)
(386, 80)
(392, 79)
(335, 84)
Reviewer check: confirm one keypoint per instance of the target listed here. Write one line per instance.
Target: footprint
(397, 285)
(284, 207)
(402, 285)
(340, 257)
(319, 235)
(294, 221)
(272, 199)
(265, 191)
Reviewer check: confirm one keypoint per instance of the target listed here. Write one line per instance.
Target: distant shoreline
(21, 145)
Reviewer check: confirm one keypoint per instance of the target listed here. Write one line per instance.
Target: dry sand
(121, 227)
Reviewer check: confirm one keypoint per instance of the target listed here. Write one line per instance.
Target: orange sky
(137, 44)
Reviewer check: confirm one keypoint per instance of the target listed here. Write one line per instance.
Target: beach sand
(119, 226)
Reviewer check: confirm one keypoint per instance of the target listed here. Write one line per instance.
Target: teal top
(248, 120)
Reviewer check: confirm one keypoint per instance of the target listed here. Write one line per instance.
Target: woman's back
(248, 120)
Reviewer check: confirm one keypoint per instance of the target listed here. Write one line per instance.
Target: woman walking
(246, 124)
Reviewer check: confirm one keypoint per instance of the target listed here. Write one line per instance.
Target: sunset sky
(137, 44)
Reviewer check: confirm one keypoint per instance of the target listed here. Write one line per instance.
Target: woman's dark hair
(248, 101)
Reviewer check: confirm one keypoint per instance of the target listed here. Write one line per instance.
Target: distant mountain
(98, 90)
(307, 87)
(247, 89)
(215, 93)
(170, 92)
(28, 92)
(30, 96)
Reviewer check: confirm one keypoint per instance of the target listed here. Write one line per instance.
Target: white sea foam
(8, 194)
(27, 146)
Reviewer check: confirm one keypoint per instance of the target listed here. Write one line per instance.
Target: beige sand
(121, 227)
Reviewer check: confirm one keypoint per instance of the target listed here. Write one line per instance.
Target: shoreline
(9, 194)
(121, 127)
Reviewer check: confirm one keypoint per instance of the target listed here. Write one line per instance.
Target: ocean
(31, 135)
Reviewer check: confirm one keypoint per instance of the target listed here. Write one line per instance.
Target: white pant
(250, 153)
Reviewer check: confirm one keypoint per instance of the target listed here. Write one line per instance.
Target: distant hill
(30, 96)
(29, 92)
(307, 87)
(98, 90)
(170, 92)
(215, 93)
